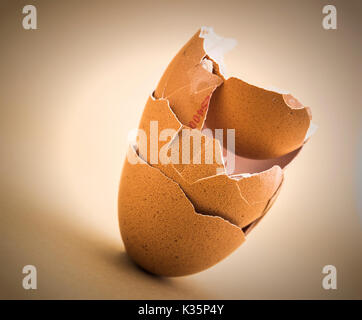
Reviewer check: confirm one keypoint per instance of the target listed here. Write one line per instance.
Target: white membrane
(311, 130)
(216, 46)
(207, 65)
(275, 89)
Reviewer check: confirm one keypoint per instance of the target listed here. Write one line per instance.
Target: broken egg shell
(261, 187)
(179, 219)
(188, 83)
(161, 230)
(191, 100)
(203, 155)
(220, 196)
(265, 125)
(174, 76)
(240, 201)
(217, 195)
(266, 209)
(223, 196)
(268, 124)
(159, 112)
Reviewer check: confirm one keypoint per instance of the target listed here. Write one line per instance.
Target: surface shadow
(74, 260)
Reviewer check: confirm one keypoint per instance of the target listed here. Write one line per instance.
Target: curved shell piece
(161, 230)
(266, 126)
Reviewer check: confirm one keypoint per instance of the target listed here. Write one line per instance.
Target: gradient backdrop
(71, 90)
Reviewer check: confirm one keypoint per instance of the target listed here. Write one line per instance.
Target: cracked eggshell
(188, 82)
(238, 201)
(261, 187)
(178, 219)
(266, 209)
(268, 124)
(199, 163)
(161, 230)
(158, 117)
(211, 191)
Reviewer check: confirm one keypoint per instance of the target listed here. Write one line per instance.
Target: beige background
(70, 92)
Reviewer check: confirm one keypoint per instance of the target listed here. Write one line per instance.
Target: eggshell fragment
(204, 154)
(173, 78)
(161, 230)
(158, 110)
(239, 201)
(157, 113)
(262, 186)
(266, 126)
(188, 83)
(220, 196)
(270, 203)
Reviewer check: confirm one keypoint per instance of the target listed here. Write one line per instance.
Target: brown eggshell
(161, 230)
(160, 111)
(212, 193)
(262, 186)
(270, 203)
(239, 201)
(180, 218)
(188, 85)
(157, 110)
(266, 126)
(206, 164)
(173, 78)
(219, 196)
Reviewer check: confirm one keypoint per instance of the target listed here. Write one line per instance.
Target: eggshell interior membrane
(179, 218)
(161, 230)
